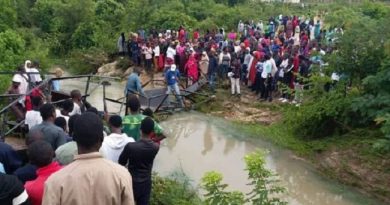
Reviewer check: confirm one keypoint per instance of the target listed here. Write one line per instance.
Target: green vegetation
(264, 184)
(82, 35)
(175, 189)
(354, 114)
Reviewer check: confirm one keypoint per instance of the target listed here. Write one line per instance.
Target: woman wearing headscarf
(252, 69)
(191, 68)
(121, 44)
(204, 63)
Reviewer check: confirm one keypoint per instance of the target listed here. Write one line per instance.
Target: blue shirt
(9, 158)
(56, 85)
(26, 173)
(172, 76)
(134, 85)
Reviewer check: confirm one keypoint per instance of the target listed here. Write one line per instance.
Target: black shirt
(139, 156)
(10, 188)
(9, 158)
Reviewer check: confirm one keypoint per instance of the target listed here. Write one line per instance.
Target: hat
(16, 79)
(173, 67)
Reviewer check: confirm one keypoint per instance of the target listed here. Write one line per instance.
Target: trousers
(235, 83)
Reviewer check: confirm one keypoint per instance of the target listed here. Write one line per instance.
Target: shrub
(86, 61)
(175, 189)
(265, 185)
(123, 64)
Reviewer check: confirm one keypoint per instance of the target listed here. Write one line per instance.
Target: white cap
(173, 67)
(17, 79)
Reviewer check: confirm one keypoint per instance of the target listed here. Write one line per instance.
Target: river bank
(347, 158)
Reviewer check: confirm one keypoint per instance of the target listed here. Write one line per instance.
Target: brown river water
(198, 143)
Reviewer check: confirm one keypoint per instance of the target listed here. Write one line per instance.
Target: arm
(61, 138)
(159, 131)
(124, 157)
(127, 196)
(51, 197)
(139, 87)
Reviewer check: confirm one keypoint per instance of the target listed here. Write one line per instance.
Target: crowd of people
(75, 155)
(265, 56)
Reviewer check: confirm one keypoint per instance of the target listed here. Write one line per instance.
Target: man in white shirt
(23, 79)
(33, 72)
(156, 51)
(114, 143)
(78, 105)
(67, 108)
(171, 52)
(33, 117)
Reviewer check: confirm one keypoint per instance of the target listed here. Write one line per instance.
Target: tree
(8, 15)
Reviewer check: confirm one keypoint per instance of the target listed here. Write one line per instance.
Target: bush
(173, 190)
(320, 117)
(86, 61)
(123, 64)
(265, 185)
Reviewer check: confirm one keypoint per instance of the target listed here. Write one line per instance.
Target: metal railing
(5, 128)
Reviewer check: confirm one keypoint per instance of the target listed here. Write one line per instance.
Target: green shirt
(132, 124)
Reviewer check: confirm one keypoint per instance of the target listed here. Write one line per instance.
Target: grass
(175, 189)
(281, 135)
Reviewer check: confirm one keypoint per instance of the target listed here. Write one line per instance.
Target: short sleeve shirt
(132, 125)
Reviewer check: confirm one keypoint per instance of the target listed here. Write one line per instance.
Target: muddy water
(114, 91)
(199, 143)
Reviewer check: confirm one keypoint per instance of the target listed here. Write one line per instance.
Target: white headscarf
(26, 63)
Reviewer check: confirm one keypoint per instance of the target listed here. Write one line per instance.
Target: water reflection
(207, 139)
(202, 143)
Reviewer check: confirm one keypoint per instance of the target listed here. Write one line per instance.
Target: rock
(107, 69)
(127, 72)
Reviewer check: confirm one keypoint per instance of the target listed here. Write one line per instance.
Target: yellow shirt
(89, 179)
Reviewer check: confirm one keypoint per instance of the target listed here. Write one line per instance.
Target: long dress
(204, 64)
(192, 69)
(252, 70)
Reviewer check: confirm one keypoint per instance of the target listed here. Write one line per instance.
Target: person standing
(224, 62)
(191, 68)
(9, 158)
(114, 143)
(132, 122)
(33, 117)
(212, 70)
(41, 155)
(148, 52)
(204, 63)
(156, 58)
(171, 52)
(122, 45)
(140, 156)
(33, 73)
(51, 133)
(90, 179)
(133, 85)
(235, 77)
(12, 191)
(78, 105)
(172, 76)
